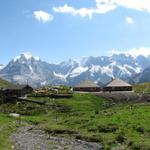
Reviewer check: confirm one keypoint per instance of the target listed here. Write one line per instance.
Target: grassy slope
(142, 88)
(7, 127)
(86, 114)
(4, 83)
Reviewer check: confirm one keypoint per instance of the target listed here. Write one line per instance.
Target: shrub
(63, 109)
(55, 130)
(140, 129)
(92, 129)
(107, 128)
(140, 146)
(92, 138)
(120, 138)
(96, 112)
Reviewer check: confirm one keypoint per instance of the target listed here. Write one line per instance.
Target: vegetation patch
(142, 88)
(84, 116)
(4, 83)
(7, 127)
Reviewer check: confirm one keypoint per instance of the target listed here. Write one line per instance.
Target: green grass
(142, 88)
(85, 116)
(4, 83)
(7, 127)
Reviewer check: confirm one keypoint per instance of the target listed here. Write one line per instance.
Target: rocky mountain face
(26, 68)
(142, 77)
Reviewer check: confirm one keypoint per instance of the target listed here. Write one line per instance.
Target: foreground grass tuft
(7, 127)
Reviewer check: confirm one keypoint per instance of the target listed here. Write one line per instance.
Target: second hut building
(118, 85)
(87, 86)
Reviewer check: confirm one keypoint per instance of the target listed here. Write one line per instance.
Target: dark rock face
(142, 77)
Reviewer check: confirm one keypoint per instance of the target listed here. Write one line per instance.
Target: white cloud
(105, 6)
(129, 20)
(83, 12)
(43, 16)
(140, 5)
(134, 52)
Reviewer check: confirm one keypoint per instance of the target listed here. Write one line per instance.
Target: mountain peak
(27, 56)
(99, 69)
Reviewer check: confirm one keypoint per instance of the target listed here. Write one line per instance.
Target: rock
(29, 138)
(15, 115)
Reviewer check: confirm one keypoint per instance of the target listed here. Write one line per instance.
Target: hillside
(4, 83)
(142, 88)
(87, 117)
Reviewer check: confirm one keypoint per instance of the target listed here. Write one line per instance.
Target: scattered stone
(15, 115)
(29, 138)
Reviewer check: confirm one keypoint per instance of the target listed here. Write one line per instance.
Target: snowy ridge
(27, 56)
(99, 69)
(61, 76)
(77, 71)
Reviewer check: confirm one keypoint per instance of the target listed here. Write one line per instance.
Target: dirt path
(28, 138)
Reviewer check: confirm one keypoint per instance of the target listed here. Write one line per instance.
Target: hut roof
(87, 83)
(118, 83)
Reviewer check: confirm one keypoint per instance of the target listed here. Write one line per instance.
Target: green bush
(107, 128)
(120, 138)
(92, 138)
(140, 129)
(140, 147)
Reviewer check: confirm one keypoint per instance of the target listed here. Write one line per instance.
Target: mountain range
(32, 70)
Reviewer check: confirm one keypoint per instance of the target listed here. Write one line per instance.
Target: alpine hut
(87, 86)
(118, 85)
(17, 90)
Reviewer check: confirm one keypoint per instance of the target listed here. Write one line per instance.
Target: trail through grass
(85, 116)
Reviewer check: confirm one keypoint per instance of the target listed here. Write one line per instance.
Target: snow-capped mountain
(142, 77)
(1, 66)
(26, 68)
(103, 69)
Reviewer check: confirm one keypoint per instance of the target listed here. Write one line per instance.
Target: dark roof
(87, 83)
(118, 83)
(17, 87)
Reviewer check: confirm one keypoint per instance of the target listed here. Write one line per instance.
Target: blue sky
(57, 30)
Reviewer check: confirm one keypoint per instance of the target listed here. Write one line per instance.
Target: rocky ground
(28, 138)
(124, 96)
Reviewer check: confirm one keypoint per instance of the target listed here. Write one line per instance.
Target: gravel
(28, 138)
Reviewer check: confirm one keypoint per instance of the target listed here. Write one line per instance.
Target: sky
(56, 30)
